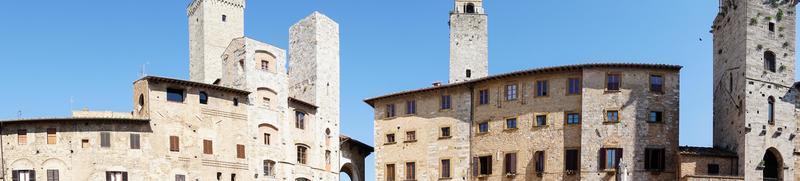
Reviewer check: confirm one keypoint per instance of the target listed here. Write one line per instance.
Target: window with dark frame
(510, 164)
(203, 97)
(445, 168)
(483, 127)
(540, 161)
(771, 27)
(174, 144)
(769, 61)
(105, 139)
(483, 165)
(390, 138)
(713, 169)
(116, 176)
(390, 110)
(175, 95)
(657, 83)
(264, 65)
(445, 102)
(511, 92)
(613, 82)
(612, 116)
(267, 139)
(542, 88)
(445, 132)
(411, 171)
(300, 118)
(771, 110)
(302, 155)
(208, 147)
(572, 161)
(269, 168)
(390, 173)
(469, 8)
(224, 18)
(573, 118)
(411, 136)
(235, 101)
(511, 123)
(610, 157)
(411, 107)
(135, 141)
(52, 175)
(573, 86)
(179, 177)
(656, 117)
(240, 152)
(654, 159)
(469, 73)
(483, 97)
(541, 120)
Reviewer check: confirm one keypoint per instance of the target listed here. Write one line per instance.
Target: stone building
(241, 116)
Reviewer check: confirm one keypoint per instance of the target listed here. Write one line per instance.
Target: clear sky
(59, 56)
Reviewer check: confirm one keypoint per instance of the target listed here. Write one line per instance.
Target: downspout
(471, 123)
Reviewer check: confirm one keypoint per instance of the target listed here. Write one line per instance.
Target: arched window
(302, 156)
(771, 110)
(470, 8)
(269, 168)
(769, 61)
(203, 97)
(141, 100)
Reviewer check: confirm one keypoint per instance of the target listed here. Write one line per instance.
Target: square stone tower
(754, 105)
(213, 24)
(469, 41)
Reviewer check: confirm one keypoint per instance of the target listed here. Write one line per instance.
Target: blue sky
(91, 51)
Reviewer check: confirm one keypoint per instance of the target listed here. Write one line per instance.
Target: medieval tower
(754, 107)
(212, 26)
(469, 41)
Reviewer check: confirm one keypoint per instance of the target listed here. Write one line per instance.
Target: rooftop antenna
(144, 69)
(19, 114)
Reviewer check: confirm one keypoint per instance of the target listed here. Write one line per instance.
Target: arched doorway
(772, 164)
(347, 169)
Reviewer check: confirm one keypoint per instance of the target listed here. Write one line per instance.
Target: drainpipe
(471, 123)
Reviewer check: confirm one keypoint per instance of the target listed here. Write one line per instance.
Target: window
(135, 141)
(20, 175)
(141, 100)
(22, 136)
(573, 86)
(300, 120)
(52, 175)
(219, 175)
(174, 144)
(445, 132)
(511, 92)
(264, 65)
(174, 95)
(713, 169)
(483, 165)
(269, 168)
(233, 177)
(445, 168)
(654, 159)
(572, 161)
(541, 88)
(656, 117)
(657, 83)
(612, 116)
(267, 138)
(483, 97)
(85, 143)
(240, 151)
(510, 164)
(301, 154)
(612, 82)
(511, 123)
(390, 138)
(203, 98)
(539, 155)
(769, 61)
(411, 170)
(390, 110)
(771, 110)
(411, 136)
(411, 107)
(105, 139)
(224, 18)
(469, 73)
(445, 102)
(235, 101)
(390, 172)
(483, 127)
(180, 177)
(208, 147)
(116, 176)
(469, 8)
(328, 158)
(541, 120)
(771, 27)
(610, 157)
(573, 118)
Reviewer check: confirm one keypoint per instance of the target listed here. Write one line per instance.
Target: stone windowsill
(510, 129)
(445, 178)
(445, 137)
(390, 143)
(541, 126)
(610, 122)
(410, 141)
(481, 133)
(612, 91)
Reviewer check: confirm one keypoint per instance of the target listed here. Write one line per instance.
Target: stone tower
(754, 65)
(213, 24)
(469, 41)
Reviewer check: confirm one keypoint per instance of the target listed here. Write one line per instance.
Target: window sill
(541, 126)
(544, 96)
(612, 91)
(659, 122)
(510, 175)
(445, 137)
(657, 92)
(608, 170)
(573, 124)
(390, 143)
(481, 133)
(574, 94)
(445, 178)
(655, 172)
(610, 122)
(410, 141)
(510, 129)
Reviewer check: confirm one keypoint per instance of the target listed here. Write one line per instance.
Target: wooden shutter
(51, 136)
(33, 175)
(618, 158)
(602, 154)
(174, 143)
(514, 163)
(108, 176)
(239, 151)
(52, 175)
(207, 147)
(22, 137)
(489, 165)
(105, 139)
(135, 143)
(475, 166)
(14, 175)
(124, 176)
(648, 159)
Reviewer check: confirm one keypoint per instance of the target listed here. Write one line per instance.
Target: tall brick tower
(213, 24)
(754, 106)
(469, 41)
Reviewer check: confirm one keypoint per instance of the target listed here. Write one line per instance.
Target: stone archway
(772, 165)
(353, 154)
(348, 169)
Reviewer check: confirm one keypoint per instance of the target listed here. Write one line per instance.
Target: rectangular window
(300, 119)
(539, 162)
(20, 175)
(713, 169)
(105, 139)
(116, 176)
(541, 88)
(240, 151)
(390, 172)
(511, 92)
(85, 143)
(411, 171)
(484, 165)
(175, 95)
(612, 82)
(483, 97)
(654, 159)
(22, 136)
(411, 107)
(610, 157)
(51, 136)
(511, 123)
(180, 177)
(328, 159)
(208, 147)
(573, 118)
(390, 110)
(301, 154)
(269, 168)
(390, 138)
(573, 86)
(445, 132)
(657, 83)
(483, 127)
(612, 116)
(541, 120)
(411, 136)
(267, 138)
(174, 144)
(52, 175)
(510, 164)
(445, 102)
(572, 161)
(656, 117)
(264, 65)
(445, 168)
(135, 141)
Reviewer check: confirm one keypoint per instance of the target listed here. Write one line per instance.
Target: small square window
(713, 169)
(613, 82)
(445, 132)
(657, 83)
(483, 127)
(541, 88)
(224, 18)
(511, 123)
(656, 117)
(612, 116)
(411, 136)
(390, 138)
(541, 120)
(573, 118)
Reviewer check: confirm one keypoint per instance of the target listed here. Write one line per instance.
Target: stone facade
(212, 26)
(469, 41)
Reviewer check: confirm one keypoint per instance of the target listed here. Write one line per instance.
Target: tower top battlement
(196, 3)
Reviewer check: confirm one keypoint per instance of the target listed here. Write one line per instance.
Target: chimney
(437, 84)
